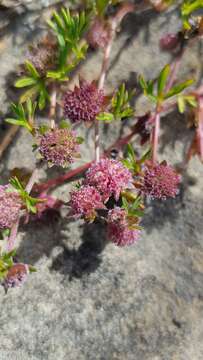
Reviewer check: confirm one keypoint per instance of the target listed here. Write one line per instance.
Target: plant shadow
(76, 258)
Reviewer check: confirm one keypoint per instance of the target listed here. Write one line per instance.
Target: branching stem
(101, 82)
(52, 111)
(14, 229)
(155, 136)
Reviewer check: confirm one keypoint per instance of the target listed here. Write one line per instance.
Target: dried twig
(8, 138)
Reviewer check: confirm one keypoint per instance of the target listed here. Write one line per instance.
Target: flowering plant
(116, 183)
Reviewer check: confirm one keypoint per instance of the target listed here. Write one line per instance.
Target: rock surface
(89, 299)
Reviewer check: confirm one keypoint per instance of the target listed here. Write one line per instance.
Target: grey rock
(90, 299)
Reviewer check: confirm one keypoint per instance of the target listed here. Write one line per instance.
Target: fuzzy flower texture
(10, 205)
(109, 177)
(85, 201)
(118, 230)
(84, 103)
(160, 181)
(105, 179)
(16, 276)
(58, 146)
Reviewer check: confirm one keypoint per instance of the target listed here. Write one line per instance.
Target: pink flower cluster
(16, 276)
(105, 179)
(85, 201)
(160, 181)
(10, 205)
(109, 177)
(83, 103)
(118, 229)
(58, 146)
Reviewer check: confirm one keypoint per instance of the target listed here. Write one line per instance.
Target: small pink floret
(85, 201)
(160, 181)
(118, 230)
(110, 177)
(10, 205)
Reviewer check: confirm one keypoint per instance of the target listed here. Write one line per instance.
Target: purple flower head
(84, 103)
(10, 205)
(118, 230)
(110, 177)
(16, 276)
(169, 42)
(58, 146)
(43, 56)
(85, 201)
(160, 181)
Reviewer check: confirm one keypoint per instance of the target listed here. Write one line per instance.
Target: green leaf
(105, 117)
(163, 76)
(191, 100)
(15, 122)
(80, 140)
(32, 70)
(138, 213)
(29, 94)
(130, 152)
(124, 203)
(136, 202)
(64, 124)
(127, 163)
(146, 156)
(32, 268)
(143, 83)
(187, 8)
(54, 74)
(181, 104)
(177, 89)
(42, 100)
(16, 184)
(25, 81)
(4, 233)
(101, 6)
(22, 117)
(127, 113)
(43, 129)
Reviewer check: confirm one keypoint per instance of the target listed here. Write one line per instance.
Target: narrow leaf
(162, 79)
(177, 89)
(26, 81)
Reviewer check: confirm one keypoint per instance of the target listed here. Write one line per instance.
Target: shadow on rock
(158, 211)
(43, 237)
(87, 257)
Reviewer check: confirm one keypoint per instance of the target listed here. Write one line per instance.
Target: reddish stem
(81, 169)
(102, 78)
(14, 229)
(155, 137)
(174, 71)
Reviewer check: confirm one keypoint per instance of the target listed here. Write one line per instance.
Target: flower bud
(84, 103)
